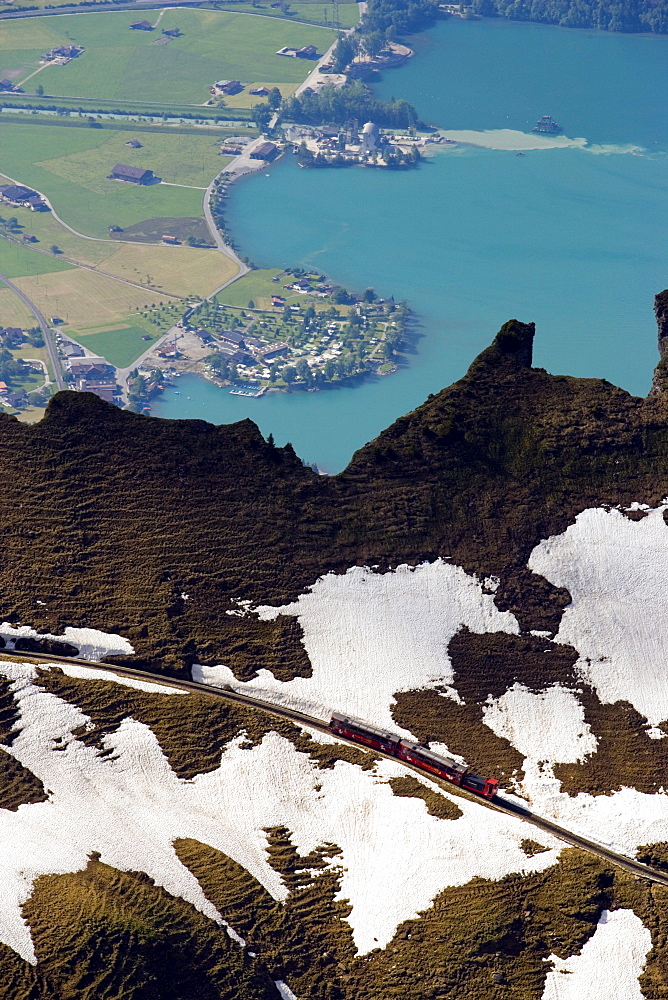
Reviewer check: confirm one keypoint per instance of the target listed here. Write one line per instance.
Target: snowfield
(609, 964)
(615, 570)
(369, 635)
(131, 806)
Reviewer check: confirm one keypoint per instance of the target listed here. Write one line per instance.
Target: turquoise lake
(573, 239)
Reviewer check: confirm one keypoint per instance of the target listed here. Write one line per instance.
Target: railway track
(498, 803)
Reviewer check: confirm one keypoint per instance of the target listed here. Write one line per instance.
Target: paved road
(499, 803)
(46, 332)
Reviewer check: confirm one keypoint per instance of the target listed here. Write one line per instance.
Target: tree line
(340, 105)
(619, 15)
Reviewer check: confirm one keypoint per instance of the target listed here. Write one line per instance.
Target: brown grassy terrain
(437, 805)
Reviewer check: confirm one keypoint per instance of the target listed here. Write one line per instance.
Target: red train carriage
(413, 753)
(362, 732)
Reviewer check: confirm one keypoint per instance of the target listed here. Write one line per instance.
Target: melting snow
(369, 635)
(130, 806)
(615, 570)
(91, 643)
(284, 990)
(609, 964)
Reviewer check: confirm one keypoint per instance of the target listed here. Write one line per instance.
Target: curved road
(46, 332)
(499, 802)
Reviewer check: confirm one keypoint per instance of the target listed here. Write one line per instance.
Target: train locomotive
(413, 753)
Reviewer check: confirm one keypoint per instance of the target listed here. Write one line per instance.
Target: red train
(414, 753)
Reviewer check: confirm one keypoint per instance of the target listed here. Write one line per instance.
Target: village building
(142, 26)
(72, 350)
(271, 351)
(11, 336)
(277, 300)
(370, 138)
(265, 151)
(232, 337)
(133, 175)
(97, 376)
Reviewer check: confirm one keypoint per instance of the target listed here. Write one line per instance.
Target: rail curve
(498, 803)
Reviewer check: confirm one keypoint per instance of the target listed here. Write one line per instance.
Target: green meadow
(120, 63)
(119, 346)
(18, 262)
(70, 166)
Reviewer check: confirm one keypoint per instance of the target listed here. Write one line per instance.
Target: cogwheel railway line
(498, 803)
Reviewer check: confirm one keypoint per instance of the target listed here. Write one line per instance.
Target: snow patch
(369, 635)
(609, 964)
(284, 990)
(615, 570)
(130, 807)
(548, 727)
(91, 642)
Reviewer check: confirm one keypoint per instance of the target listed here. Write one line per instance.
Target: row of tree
(618, 15)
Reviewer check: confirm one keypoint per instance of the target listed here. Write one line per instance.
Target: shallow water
(569, 238)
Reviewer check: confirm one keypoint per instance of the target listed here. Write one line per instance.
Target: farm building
(142, 26)
(37, 204)
(171, 32)
(62, 53)
(259, 91)
(17, 194)
(170, 240)
(228, 87)
(134, 143)
(6, 85)
(305, 52)
(134, 175)
(29, 238)
(266, 151)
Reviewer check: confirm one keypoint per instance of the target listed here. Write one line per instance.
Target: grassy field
(119, 63)
(258, 288)
(17, 261)
(71, 166)
(12, 310)
(317, 11)
(177, 270)
(119, 346)
(80, 296)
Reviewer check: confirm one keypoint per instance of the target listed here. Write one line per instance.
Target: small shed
(142, 26)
